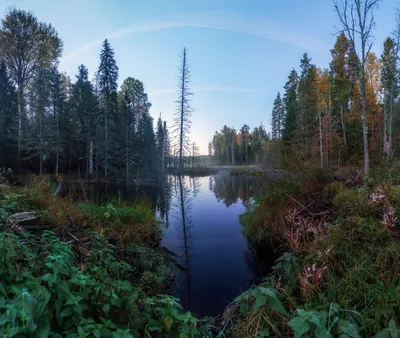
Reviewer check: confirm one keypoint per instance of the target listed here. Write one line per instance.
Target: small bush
(350, 202)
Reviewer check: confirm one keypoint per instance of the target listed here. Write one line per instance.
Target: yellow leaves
(168, 321)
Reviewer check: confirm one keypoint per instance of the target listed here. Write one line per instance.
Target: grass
(124, 221)
(341, 273)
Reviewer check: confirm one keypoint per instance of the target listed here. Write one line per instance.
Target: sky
(239, 52)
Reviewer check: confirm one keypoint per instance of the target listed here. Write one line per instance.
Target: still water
(201, 217)
(202, 222)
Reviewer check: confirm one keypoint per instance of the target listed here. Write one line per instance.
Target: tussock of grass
(267, 218)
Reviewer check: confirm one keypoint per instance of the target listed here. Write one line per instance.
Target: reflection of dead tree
(195, 186)
(210, 183)
(183, 207)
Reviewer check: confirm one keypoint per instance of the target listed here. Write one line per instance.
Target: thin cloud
(227, 21)
(206, 89)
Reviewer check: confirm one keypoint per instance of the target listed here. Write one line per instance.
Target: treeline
(346, 113)
(50, 124)
(231, 147)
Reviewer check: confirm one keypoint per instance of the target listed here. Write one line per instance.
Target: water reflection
(202, 222)
(231, 188)
(204, 225)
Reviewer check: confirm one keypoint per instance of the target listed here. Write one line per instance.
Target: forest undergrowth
(339, 275)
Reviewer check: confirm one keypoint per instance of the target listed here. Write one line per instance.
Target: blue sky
(240, 52)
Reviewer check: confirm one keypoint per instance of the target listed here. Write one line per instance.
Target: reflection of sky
(218, 270)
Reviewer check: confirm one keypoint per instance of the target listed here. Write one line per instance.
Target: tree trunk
(40, 144)
(320, 138)
(106, 146)
(57, 142)
(163, 148)
(344, 131)
(20, 114)
(364, 121)
(127, 155)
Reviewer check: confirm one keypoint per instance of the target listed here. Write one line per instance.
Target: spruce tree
(307, 100)
(291, 107)
(108, 77)
(278, 114)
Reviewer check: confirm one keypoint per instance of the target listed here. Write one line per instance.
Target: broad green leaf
(244, 308)
(13, 331)
(96, 333)
(299, 326)
(43, 330)
(66, 312)
(392, 325)
(106, 308)
(322, 332)
(264, 333)
(276, 305)
(351, 330)
(3, 320)
(382, 334)
(260, 301)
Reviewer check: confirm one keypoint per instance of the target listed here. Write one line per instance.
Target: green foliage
(290, 266)
(114, 212)
(44, 292)
(319, 324)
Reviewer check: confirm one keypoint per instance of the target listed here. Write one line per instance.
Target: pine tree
(183, 112)
(291, 107)
(278, 114)
(108, 77)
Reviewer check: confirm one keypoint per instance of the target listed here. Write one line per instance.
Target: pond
(201, 217)
(202, 222)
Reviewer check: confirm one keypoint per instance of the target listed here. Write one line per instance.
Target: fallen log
(18, 221)
(172, 253)
(24, 218)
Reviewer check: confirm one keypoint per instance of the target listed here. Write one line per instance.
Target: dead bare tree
(357, 19)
